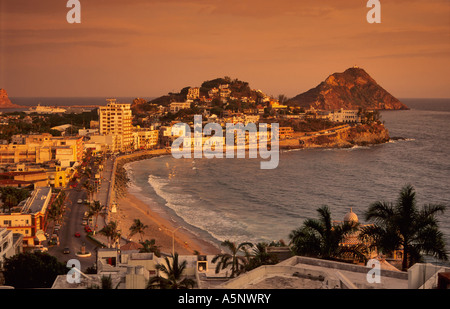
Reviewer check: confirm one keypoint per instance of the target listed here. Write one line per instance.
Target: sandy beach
(159, 228)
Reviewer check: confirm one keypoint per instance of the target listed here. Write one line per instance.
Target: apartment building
(115, 119)
(10, 244)
(145, 138)
(177, 106)
(29, 219)
(41, 148)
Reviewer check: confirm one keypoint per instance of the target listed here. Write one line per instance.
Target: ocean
(233, 199)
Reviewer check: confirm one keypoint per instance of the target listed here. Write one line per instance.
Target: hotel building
(115, 119)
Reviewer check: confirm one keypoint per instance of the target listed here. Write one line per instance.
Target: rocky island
(351, 89)
(5, 102)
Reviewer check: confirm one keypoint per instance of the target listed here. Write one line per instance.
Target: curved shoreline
(160, 225)
(159, 219)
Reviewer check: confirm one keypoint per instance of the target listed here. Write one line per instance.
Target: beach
(159, 228)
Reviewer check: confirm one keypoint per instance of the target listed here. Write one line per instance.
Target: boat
(45, 110)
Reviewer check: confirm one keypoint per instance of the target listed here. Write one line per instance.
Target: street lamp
(173, 238)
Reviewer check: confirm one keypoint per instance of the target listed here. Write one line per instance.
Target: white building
(145, 138)
(343, 115)
(115, 119)
(7, 245)
(177, 106)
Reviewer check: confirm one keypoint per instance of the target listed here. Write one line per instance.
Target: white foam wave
(218, 225)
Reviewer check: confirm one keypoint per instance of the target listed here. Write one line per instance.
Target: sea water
(233, 199)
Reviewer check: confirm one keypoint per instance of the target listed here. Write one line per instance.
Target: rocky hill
(351, 89)
(5, 102)
(237, 88)
(360, 135)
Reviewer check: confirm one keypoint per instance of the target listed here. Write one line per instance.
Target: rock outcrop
(352, 89)
(359, 135)
(5, 102)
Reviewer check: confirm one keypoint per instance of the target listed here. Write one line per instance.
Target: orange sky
(146, 48)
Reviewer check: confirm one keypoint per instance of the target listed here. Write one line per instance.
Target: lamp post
(173, 237)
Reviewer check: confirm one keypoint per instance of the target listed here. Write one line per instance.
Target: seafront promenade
(107, 196)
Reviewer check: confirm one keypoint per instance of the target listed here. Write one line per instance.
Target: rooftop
(309, 273)
(38, 200)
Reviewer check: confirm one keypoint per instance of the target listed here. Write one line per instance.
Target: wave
(190, 209)
(394, 140)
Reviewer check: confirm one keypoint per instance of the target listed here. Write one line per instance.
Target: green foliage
(11, 196)
(173, 275)
(32, 270)
(237, 257)
(151, 247)
(44, 123)
(321, 238)
(402, 225)
(137, 228)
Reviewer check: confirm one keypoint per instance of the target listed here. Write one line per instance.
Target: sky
(147, 48)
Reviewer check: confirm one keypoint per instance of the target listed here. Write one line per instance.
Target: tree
(173, 275)
(111, 232)
(282, 98)
(32, 270)
(322, 239)
(89, 189)
(94, 210)
(402, 226)
(260, 256)
(138, 228)
(150, 246)
(11, 196)
(236, 259)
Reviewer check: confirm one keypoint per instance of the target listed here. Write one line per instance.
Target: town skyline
(150, 48)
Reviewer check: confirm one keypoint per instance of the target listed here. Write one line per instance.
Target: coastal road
(72, 223)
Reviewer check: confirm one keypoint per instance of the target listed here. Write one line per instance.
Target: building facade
(115, 119)
(29, 219)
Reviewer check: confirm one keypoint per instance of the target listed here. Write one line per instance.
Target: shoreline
(159, 226)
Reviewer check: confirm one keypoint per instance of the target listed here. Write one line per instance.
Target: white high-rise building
(115, 119)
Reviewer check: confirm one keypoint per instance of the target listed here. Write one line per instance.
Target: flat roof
(38, 200)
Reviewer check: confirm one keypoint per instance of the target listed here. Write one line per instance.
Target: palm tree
(138, 227)
(237, 259)
(322, 239)
(89, 189)
(150, 246)
(111, 232)
(402, 226)
(260, 256)
(94, 210)
(173, 275)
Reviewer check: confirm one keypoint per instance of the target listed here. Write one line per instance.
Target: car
(66, 251)
(80, 201)
(77, 234)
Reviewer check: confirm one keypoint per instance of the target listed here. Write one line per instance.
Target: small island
(5, 102)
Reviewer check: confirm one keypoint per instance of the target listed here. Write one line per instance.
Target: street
(72, 223)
